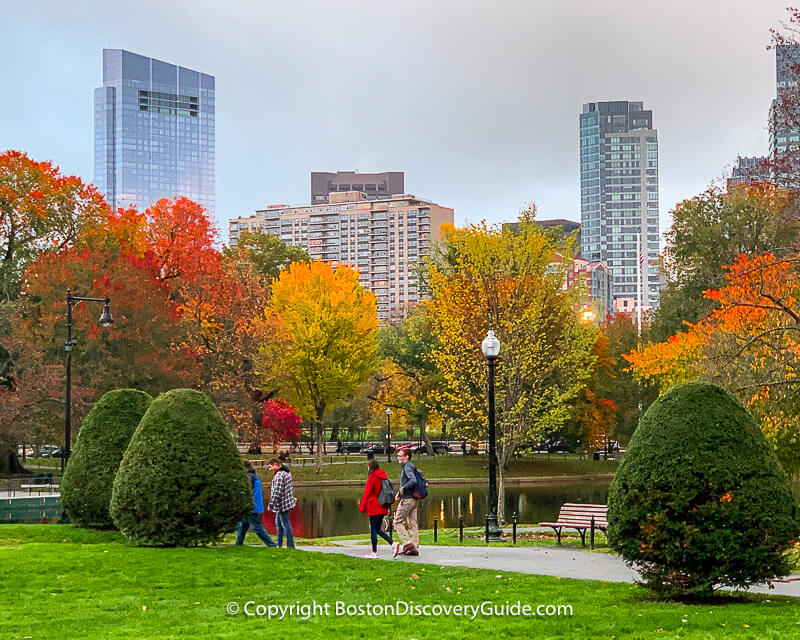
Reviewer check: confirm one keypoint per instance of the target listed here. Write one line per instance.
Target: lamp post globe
(491, 350)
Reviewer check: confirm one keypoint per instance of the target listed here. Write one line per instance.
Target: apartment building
(382, 239)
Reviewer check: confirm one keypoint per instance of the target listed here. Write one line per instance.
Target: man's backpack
(421, 488)
(386, 496)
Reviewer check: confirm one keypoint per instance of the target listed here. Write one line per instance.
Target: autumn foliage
(750, 345)
(280, 422)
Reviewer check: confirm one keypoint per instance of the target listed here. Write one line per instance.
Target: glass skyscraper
(153, 132)
(619, 197)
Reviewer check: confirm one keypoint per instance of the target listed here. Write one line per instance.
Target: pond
(334, 511)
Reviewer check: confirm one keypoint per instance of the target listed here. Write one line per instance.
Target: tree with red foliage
(281, 422)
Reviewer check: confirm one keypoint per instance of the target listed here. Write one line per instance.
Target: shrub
(700, 500)
(181, 481)
(102, 440)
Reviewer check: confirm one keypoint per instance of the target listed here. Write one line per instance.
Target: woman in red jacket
(374, 509)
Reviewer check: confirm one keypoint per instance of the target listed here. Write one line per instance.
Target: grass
(60, 582)
(457, 467)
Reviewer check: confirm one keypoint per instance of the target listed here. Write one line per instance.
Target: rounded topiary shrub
(181, 481)
(700, 500)
(102, 440)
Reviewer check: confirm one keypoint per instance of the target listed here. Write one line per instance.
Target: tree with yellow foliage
(325, 339)
(514, 284)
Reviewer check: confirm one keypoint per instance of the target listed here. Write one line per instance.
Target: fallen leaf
(378, 579)
(746, 626)
(498, 576)
(144, 607)
(414, 575)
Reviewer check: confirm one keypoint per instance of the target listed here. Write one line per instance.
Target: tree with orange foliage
(750, 345)
(325, 326)
(40, 209)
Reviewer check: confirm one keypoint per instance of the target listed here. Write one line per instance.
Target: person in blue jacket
(254, 517)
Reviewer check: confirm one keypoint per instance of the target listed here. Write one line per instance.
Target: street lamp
(105, 320)
(491, 349)
(587, 315)
(388, 434)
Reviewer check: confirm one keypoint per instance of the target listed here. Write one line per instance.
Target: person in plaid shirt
(282, 500)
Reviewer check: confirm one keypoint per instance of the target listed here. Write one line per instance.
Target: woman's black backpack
(386, 496)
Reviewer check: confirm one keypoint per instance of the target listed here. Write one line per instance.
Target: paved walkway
(550, 561)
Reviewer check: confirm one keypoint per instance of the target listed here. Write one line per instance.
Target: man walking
(405, 516)
(254, 517)
(282, 500)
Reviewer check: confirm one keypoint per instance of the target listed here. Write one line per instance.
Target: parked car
(27, 453)
(440, 448)
(47, 450)
(349, 447)
(377, 449)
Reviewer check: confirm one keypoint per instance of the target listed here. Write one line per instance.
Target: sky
(476, 102)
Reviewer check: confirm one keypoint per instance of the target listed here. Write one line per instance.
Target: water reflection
(334, 511)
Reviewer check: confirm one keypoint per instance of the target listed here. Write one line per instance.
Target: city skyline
(495, 123)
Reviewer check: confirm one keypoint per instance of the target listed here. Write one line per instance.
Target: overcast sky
(477, 102)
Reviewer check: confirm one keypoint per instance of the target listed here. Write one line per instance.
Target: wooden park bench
(39, 487)
(581, 517)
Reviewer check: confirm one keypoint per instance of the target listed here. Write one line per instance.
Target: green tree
(325, 327)
(700, 501)
(181, 481)
(103, 437)
(410, 344)
(266, 252)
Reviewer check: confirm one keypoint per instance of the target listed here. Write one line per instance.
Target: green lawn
(457, 467)
(60, 582)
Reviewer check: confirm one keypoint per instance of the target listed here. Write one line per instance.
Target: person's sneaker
(372, 555)
(395, 549)
(413, 551)
(407, 548)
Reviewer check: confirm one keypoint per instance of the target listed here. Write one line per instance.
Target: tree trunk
(320, 445)
(334, 433)
(9, 463)
(501, 495)
(423, 430)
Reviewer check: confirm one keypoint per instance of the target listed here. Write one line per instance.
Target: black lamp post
(491, 349)
(388, 433)
(105, 320)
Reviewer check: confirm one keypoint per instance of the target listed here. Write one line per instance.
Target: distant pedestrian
(254, 517)
(282, 500)
(405, 515)
(371, 505)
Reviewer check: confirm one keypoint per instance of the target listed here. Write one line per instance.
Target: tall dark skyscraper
(619, 197)
(153, 132)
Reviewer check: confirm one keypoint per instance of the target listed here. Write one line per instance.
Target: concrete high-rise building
(153, 132)
(619, 198)
(373, 185)
(784, 129)
(749, 169)
(382, 239)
